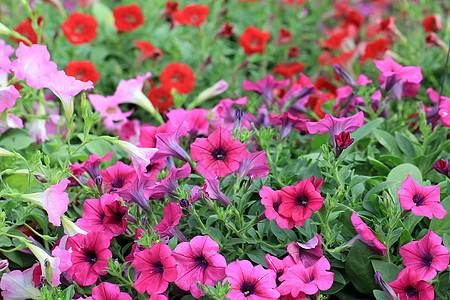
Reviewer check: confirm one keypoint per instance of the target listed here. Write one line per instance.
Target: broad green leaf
(378, 165)
(388, 271)
(257, 256)
(380, 295)
(401, 172)
(359, 269)
(388, 141)
(378, 188)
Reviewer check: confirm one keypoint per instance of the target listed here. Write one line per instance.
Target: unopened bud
(3, 265)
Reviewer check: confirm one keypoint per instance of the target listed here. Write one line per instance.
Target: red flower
(375, 49)
(161, 98)
(178, 76)
(343, 140)
(128, 17)
(292, 2)
(192, 14)
(432, 23)
(25, 29)
(284, 37)
(288, 70)
(225, 31)
(218, 155)
(293, 52)
(253, 40)
(335, 40)
(148, 50)
(83, 70)
(79, 28)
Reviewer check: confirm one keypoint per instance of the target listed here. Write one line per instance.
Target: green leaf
(405, 144)
(401, 172)
(378, 188)
(442, 226)
(338, 282)
(68, 293)
(257, 256)
(359, 269)
(388, 141)
(16, 139)
(378, 165)
(388, 271)
(380, 295)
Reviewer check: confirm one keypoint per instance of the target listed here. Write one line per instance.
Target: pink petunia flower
(91, 166)
(271, 200)
(8, 121)
(444, 111)
(336, 125)
(109, 109)
(199, 260)
(54, 200)
(287, 122)
(367, 235)
(65, 88)
(299, 201)
(224, 113)
(409, 285)
(265, 87)
(106, 215)
(140, 157)
(168, 185)
(307, 254)
(279, 266)
(89, 258)
(8, 97)
(421, 200)
(119, 177)
(196, 120)
(172, 216)
(106, 291)
(19, 285)
(33, 64)
(158, 267)
(299, 279)
(168, 144)
(426, 256)
(254, 164)
(249, 282)
(218, 155)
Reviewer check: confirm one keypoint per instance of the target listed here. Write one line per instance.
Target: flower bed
(278, 149)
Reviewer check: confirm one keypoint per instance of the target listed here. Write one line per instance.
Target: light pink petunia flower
(8, 97)
(54, 200)
(140, 157)
(421, 200)
(199, 260)
(8, 121)
(249, 282)
(33, 64)
(19, 285)
(426, 256)
(65, 88)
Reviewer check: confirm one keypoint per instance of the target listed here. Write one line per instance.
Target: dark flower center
(302, 200)
(201, 262)
(219, 153)
(247, 288)
(412, 291)
(276, 205)
(279, 273)
(78, 29)
(130, 18)
(118, 183)
(427, 259)
(176, 78)
(418, 199)
(102, 216)
(90, 257)
(159, 268)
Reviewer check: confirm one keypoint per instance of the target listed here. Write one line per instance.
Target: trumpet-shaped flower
(106, 291)
(421, 200)
(54, 200)
(65, 88)
(409, 285)
(271, 200)
(265, 87)
(367, 235)
(172, 216)
(8, 121)
(8, 97)
(444, 111)
(426, 256)
(254, 164)
(199, 260)
(218, 155)
(307, 254)
(51, 267)
(19, 285)
(119, 176)
(140, 157)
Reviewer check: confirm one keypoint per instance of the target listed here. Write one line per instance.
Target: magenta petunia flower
(307, 254)
(426, 256)
(171, 218)
(89, 258)
(91, 166)
(442, 166)
(168, 144)
(168, 185)
(106, 215)
(212, 191)
(421, 200)
(199, 260)
(254, 164)
(444, 111)
(119, 177)
(299, 201)
(140, 157)
(137, 192)
(265, 87)
(8, 97)
(54, 200)
(409, 285)
(106, 291)
(158, 267)
(367, 235)
(65, 88)
(279, 266)
(109, 108)
(224, 113)
(287, 122)
(299, 279)
(249, 282)
(196, 120)
(336, 125)
(218, 155)
(33, 64)
(271, 200)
